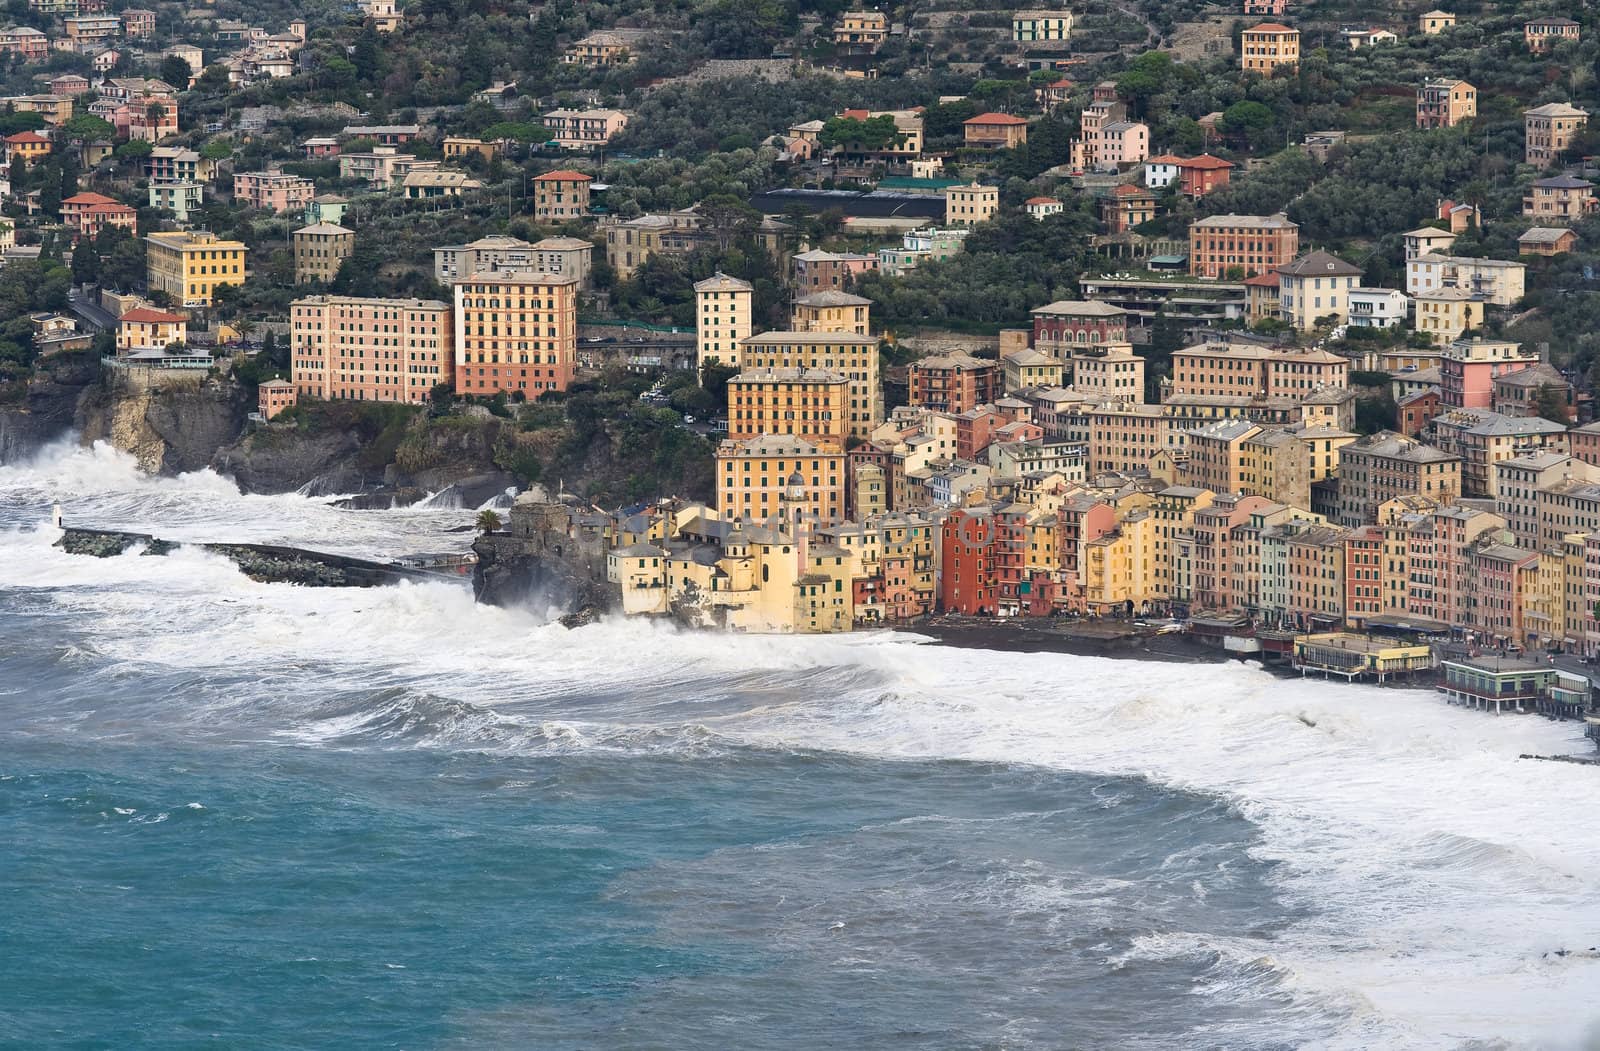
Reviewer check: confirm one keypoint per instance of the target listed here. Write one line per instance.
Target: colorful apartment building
(1314, 288)
(1126, 206)
(1445, 103)
(1241, 244)
(388, 350)
(179, 198)
(1061, 326)
(1542, 34)
(1483, 437)
(854, 355)
(275, 192)
(759, 478)
(831, 311)
(516, 332)
(1548, 130)
(190, 265)
(812, 404)
(561, 196)
(1268, 47)
(1560, 200)
(1041, 26)
(1468, 369)
(1251, 371)
(145, 331)
(1380, 467)
(586, 129)
(1499, 282)
(861, 32)
(816, 270)
(995, 131)
(970, 204)
(953, 383)
(26, 146)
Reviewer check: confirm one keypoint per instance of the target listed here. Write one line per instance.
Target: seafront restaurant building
(1517, 685)
(1359, 656)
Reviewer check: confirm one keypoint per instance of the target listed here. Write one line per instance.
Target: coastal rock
(546, 557)
(48, 407)
(170, 421)
(277, 459)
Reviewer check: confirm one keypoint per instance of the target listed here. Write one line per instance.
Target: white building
(1377, 308)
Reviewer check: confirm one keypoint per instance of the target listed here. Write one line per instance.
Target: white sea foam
(1435, 869)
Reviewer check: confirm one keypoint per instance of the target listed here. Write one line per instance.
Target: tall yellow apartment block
(721, 318)
(190, 265)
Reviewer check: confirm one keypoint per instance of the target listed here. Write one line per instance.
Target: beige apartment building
(319, 250)
(971, 204)
(831, 311)
(855, 356)
(1316, 286)
(1548, 131)
(1250, 371)
(516, 331)
(389, 350)
(722, 318)
(1380, 467)
(1445, 103)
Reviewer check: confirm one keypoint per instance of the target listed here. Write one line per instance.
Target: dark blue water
(178, 889)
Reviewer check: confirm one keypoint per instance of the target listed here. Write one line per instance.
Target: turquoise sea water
(246, 816)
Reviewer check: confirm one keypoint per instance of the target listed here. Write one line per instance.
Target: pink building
(1124, 142)
(1213, 530)
(274, 192)
(819, 271)
(1469, 367)
(393, 350)
(1502, 578)
(148, 119)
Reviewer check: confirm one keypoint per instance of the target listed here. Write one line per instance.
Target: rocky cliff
(171, 422)
(49, 407)
(547, 558)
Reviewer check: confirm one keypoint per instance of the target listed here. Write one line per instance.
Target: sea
(242, 815)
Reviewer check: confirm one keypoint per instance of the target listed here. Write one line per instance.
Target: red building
(953, 383)
(967, 580)
(1075, 322)
(975, 429)
(1198, 176)
(1417, 410)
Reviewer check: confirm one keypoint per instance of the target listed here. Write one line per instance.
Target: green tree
(1551, 404)
(488, 521)
(874, 133)
(175, 71)
(86, 127)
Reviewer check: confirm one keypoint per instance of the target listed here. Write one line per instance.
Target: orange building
(516, 331)
(1250, 244)
(27, 146)
(1445, 103)
(348, 349)
(273, 396)
(995, 130)
(1250, 371)
(757, 478)
(813, 404)
(1267, 47)
(89, 213)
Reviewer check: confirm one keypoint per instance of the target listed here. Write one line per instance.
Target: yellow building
(722, 318)
(1118, 567)
(145, 329)
(813, 404)
(971, 204)
(855, 356)
(861, 31)
(757, 479)
(1445, 314)
(190, 265)
(831, 311)
(455, 148)
(1268, 46)
(319, 250)
(1029, 368)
